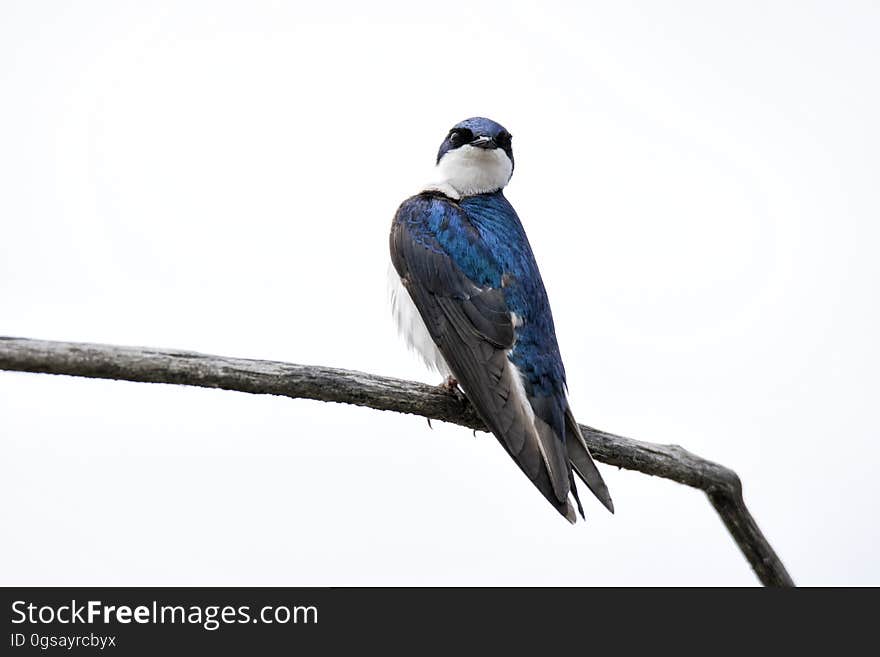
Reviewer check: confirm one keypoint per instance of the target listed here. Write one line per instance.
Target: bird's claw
(450, 385)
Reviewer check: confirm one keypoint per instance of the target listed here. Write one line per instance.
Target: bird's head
(476, 157)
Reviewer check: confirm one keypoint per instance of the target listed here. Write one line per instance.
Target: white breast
(411, 326)
(467, 171)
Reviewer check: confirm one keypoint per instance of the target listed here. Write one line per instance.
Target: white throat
(468, 170)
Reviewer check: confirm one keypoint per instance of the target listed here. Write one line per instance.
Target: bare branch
(150, 365)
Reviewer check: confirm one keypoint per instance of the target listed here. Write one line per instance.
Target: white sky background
(699, 184)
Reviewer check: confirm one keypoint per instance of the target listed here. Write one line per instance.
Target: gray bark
(721, 485)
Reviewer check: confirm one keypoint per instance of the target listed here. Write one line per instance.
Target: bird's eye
(460, 136)
(503, 139)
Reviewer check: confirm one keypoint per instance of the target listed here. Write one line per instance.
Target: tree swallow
(469, 298)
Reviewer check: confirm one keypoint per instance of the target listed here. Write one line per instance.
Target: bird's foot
(450, 384)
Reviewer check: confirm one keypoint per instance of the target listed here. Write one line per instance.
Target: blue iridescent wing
(432, 243)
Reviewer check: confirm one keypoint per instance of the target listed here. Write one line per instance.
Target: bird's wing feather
(582, 461)
(474, 330)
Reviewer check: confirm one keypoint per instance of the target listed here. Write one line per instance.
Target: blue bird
(469, 298)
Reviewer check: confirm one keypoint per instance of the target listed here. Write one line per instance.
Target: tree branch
(720, 484)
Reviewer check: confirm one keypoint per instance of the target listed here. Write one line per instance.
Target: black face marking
(460, 137)
(505, 142)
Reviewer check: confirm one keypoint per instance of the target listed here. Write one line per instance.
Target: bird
(468, 297)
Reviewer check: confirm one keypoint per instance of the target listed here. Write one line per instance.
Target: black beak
(484, 142)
